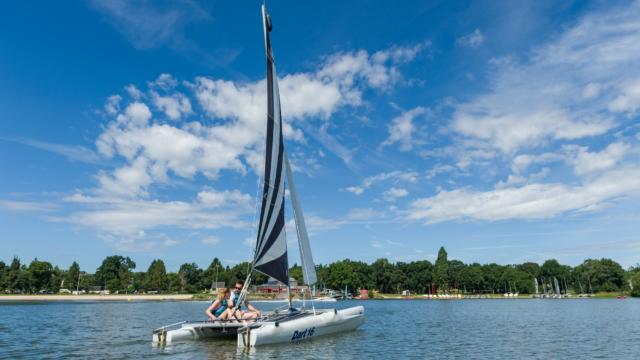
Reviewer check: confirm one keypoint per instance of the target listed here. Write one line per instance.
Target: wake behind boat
(270, 256)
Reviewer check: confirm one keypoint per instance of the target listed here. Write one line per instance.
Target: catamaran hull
(196, 331)
(324, 322)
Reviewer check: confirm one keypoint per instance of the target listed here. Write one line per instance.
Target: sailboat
(270, 256)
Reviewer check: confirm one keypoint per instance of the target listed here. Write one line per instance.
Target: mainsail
(271, 245)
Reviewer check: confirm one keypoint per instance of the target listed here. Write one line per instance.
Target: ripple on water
(421, 329)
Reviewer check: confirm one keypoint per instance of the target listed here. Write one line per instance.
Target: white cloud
(512, 129)
(211, 240)
(147, 26)
(473, 40)
(152, 153)
(362, 214)
(133, 91)
(358, 190)
(130, 180)
(129, 218)
(583, 161)
(532, 201)
(591, 90)
(26, 206)
(174, 106)
(137, 114)
(586, 162)
(71, 152)
(394, 193)
(215, 199)
(112, 106)
(394, 176)
(402, 128)
(520, 163)
(629, 99)
(571, 88)
(164, 81)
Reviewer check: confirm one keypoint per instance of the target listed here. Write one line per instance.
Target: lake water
(420, 329)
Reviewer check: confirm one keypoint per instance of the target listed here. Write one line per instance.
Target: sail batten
(271, 244)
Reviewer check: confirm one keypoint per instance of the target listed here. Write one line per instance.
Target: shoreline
(90, 297)
(4, 298)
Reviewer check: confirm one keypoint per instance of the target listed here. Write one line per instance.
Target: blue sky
(506, 131)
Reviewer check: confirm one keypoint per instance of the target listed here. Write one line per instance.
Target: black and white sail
(271, 245)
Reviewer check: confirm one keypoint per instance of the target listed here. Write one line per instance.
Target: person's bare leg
(224, 315)
(249, 315)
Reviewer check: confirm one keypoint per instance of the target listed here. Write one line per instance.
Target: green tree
(3, 270)
(39, 273)
(156, 278)
(174, 282)
(215, 272)
(492, 274)
(441, 270)
(15, 278)
(190, 277)
(296, 272)
(115, 273)
(417, 275)
(455, 272)
(383, 275)
(530, 268)
(472, 278)
(635, 281)
(72, 276)
(603, 274)
(354, 274)
(57, 279)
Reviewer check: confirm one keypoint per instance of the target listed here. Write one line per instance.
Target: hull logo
(302, 334)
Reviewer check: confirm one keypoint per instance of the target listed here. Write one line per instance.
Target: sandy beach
(121, 297)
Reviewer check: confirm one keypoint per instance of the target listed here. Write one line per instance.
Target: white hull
(323, 322)
(189, 331)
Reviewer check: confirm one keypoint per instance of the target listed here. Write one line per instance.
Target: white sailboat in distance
(270, 257)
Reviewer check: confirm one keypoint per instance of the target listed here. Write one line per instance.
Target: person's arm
(210, 308)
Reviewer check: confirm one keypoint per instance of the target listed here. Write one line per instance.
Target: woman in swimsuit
(219, 308)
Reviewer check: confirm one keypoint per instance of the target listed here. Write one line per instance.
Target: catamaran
(270, 256)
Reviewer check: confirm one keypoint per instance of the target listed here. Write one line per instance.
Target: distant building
(217, 285)
(274, 286)
(98, 290)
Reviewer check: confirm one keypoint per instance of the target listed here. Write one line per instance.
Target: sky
(505, 131)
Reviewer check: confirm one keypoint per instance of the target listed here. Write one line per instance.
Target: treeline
(117, 274)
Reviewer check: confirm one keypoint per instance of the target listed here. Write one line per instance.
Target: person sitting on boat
(251, 313)
(219, 308)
